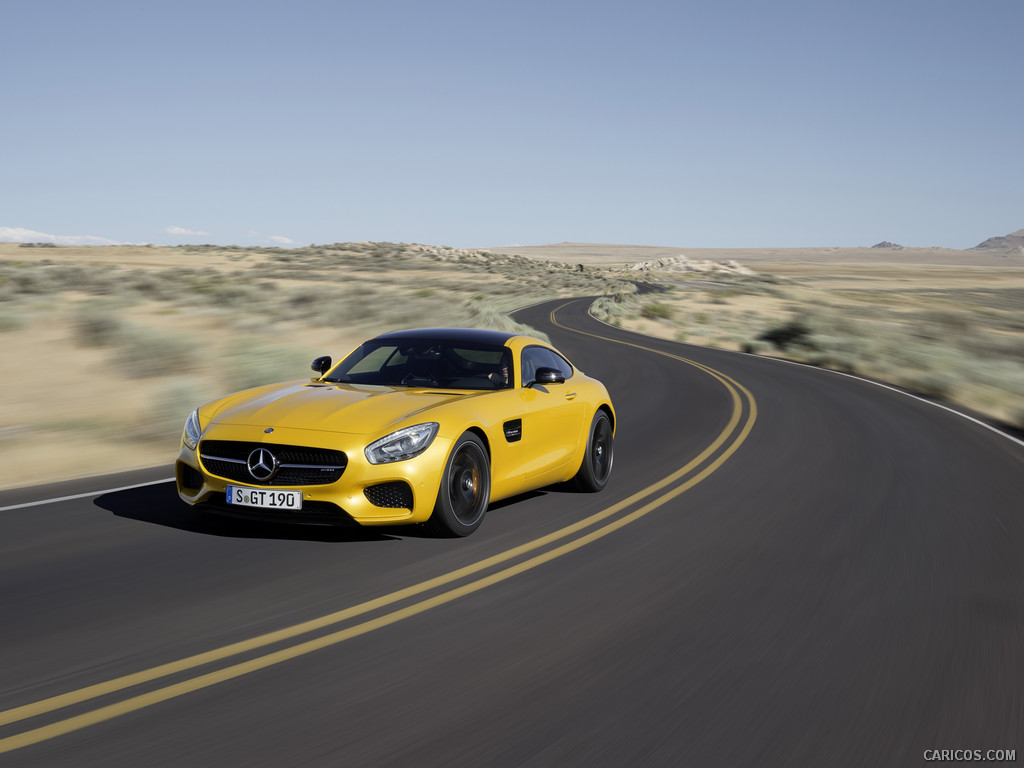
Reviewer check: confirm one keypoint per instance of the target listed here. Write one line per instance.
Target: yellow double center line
(709, 460)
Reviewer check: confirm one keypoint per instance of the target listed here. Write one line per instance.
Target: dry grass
(954, 333)
(107, 349)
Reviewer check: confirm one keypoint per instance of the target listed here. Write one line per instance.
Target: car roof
(465, 335)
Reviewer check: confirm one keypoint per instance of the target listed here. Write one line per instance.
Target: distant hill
(625, 255)
(1012, 241)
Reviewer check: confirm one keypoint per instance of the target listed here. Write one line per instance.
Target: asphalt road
(789, 567)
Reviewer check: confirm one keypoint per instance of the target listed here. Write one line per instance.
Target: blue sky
(474, 124)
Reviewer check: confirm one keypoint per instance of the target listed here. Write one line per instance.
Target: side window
(540, 357)
(531, 362)
(561, 364)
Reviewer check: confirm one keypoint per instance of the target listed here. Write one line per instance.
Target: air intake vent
(189, 478)
(396, 495)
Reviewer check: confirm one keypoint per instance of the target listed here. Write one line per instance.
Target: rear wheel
(597, 462)
(465, 489)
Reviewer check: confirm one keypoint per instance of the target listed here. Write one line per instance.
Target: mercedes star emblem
(262, 464)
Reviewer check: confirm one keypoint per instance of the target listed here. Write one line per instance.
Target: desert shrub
(908, 352)
(992, 346)
(250, 363)
(358, 305)
(612, 309)
(34, 281)
(935, 383)
(144, 352)
(656, 310)
(943, 323)
(44, 278)
(845, 352)
(789, 334)
(1017, 417)
(238, 294)
(170, 406)
(206, 282)
(96, 324)
(151, 285)
(309, 299)
(12, 323)
(1004, 376)
(482, 315)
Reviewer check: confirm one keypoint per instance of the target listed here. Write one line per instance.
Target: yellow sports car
(424, 426)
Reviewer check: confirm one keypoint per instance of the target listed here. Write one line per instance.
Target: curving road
(789, 567)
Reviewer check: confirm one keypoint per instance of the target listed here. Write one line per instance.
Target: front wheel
(597, 462)
(465, 489)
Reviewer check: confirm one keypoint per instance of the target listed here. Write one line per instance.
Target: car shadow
(160, 505)
(516, 499)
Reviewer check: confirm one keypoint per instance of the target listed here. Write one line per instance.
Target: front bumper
(340, 501)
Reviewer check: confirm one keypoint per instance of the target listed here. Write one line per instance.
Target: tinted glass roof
(467, 335)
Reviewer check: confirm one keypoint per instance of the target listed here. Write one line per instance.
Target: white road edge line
(897, 390)
(84, 495)
(855, 378)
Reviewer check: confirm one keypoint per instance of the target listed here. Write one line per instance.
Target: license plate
(264, 498)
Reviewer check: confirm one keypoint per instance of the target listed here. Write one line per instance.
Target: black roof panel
(466, 335)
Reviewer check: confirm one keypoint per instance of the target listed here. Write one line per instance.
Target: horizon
(659, 246)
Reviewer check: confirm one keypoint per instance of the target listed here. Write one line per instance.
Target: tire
(597, 461)
(465, 489)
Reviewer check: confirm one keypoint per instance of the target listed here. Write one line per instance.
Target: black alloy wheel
(597, 462)
(465, 489)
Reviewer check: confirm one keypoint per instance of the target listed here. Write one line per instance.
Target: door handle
(570, 396)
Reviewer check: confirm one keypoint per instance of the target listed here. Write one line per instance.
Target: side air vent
(513, 430)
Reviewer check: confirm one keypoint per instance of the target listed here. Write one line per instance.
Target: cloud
(279, 239)
(19, 235)
(183, 231)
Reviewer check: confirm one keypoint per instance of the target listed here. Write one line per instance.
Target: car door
(552, 416)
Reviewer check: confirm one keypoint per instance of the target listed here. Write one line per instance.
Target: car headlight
(401, 445)
(192, 431)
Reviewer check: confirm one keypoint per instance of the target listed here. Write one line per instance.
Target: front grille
(297, 464)
(395, 495)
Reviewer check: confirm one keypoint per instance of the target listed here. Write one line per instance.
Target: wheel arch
(478, 431)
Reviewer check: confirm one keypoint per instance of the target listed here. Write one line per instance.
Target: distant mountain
(1012, 241)
(886, 244)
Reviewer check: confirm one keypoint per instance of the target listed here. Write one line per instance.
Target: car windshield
(426, 363)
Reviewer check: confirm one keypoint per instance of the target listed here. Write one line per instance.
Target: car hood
(348, 408)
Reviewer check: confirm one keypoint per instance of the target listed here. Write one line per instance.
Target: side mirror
(322, 364)
(548, 376)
